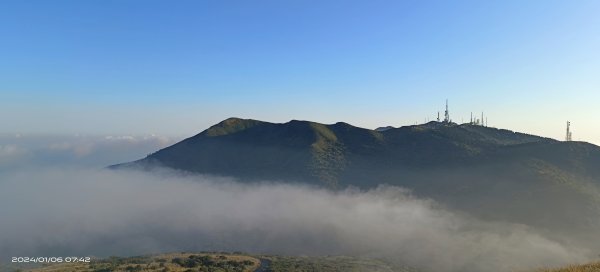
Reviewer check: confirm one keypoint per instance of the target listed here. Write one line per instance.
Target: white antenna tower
(447, 114)
(482, 124)
(569, 136)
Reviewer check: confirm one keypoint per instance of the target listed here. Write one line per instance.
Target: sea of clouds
(58, 200)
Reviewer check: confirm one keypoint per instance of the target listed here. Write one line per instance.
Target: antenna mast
(447, 114)
(482, 124)
(569, 136)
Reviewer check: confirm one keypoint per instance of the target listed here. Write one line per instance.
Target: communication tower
(447, 114)
(569, 136)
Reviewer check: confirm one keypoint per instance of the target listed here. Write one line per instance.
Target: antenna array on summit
(447, 119)
(473, 121)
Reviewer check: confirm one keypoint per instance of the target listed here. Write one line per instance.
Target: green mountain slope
(491, 173)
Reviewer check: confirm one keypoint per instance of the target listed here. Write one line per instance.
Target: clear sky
(176, 67)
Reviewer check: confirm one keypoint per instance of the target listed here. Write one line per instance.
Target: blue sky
(176, 67)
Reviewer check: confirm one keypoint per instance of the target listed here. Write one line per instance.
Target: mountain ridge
(422, 144)
(522, 178)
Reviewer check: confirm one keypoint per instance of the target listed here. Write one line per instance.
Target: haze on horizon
(143, 67)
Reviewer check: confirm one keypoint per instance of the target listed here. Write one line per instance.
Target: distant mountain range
(488, 172)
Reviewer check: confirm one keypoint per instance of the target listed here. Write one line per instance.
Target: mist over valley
(311, 198)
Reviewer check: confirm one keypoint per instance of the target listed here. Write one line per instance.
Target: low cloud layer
(19, 151)
(102, 212)
(56, 200)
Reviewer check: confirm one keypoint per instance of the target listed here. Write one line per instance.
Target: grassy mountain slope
(491, 173)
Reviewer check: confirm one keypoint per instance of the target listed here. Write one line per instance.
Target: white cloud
(11, 154)
(120, 212)
(77, 150)
(47, 210)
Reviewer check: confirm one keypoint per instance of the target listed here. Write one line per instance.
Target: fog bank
(56, 212)
(19, 151)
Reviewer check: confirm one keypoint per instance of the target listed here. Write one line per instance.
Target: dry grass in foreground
(592, 267)
(173, 262)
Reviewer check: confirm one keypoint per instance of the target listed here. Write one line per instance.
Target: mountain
(492, 173)
(384, 128)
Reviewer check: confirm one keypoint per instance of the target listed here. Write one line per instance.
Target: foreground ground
(593, 267)
(213, 262)
(225, 262)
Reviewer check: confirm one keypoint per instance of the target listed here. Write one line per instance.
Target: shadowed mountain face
(492, 173)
